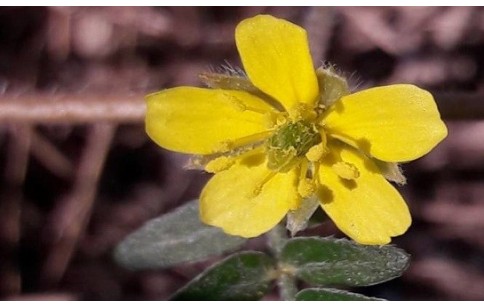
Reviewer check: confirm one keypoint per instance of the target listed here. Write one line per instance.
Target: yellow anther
(315, 153)
(346, 171)
(223, 146)
(281, 118)
(270, 119)
(229, 145)
(303, 112)
(219, 164)
(239, 105)
(306, 188)
(273, 119)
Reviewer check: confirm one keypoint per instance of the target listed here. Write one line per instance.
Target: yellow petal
(197, 121)
(392, 123)
(367, 209)
(275, 54)
(234, 200)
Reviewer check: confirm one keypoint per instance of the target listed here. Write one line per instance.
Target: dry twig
(10, 207)
(72, 109)
(72, 212)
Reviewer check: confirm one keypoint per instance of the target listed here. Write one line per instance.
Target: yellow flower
(292, 132)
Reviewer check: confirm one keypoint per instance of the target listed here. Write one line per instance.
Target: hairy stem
(285, 281)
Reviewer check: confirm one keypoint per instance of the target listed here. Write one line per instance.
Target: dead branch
(10, 208)
(49, 156)
(72, 213)
(72, 109)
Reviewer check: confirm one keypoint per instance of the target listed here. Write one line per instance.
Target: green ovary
(290, 142)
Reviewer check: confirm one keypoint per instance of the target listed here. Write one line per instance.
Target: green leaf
(329, 261)
(327, 294)
(174, 238)
(242, 276)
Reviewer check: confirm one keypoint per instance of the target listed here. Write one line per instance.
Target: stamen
(241, 106)
(256, 150)
(315, 174)
(303, 112)
(219, 164)
(258, 188)
(228, 145)
(346, 170)
(303, 169)
(306, 187)
(223, 147)
(275, 119)
(315, 153)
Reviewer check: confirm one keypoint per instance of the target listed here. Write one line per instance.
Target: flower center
(290, 142)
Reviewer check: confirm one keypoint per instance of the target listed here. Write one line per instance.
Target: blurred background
(78, 172)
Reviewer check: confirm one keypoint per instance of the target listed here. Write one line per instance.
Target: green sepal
(391, 171)
(298, 219)
(235, 79)
(331, 86)
(228, 82)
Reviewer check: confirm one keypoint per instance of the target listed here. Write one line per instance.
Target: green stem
(287, 287)
(277, 239)
(285, 281)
